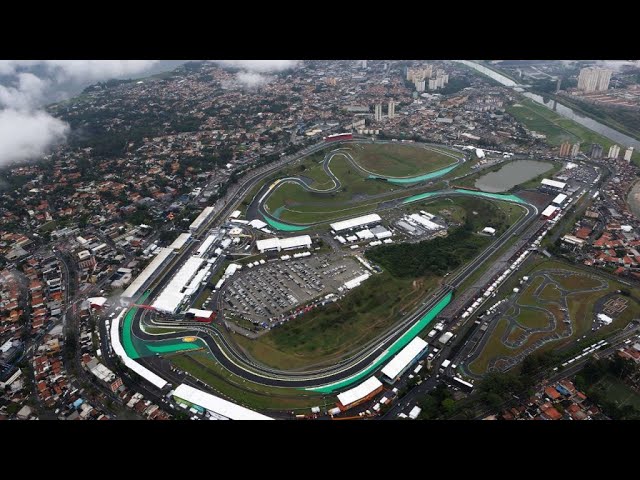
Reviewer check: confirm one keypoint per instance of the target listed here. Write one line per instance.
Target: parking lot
(263, 294)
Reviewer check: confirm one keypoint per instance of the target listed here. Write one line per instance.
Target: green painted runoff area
(420, 178)
(127, 338)
(285, 227)
(175, 347)
(136, 348)
(496, 196)
(397, 345)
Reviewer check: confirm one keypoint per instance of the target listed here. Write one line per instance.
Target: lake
(512, 174)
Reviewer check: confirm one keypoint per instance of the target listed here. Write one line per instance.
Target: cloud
(26, 135)
(79, 70)
(260, 66)
(252, 72)
(27, 132)
(27, 93)
(615, 65)
(252, 79)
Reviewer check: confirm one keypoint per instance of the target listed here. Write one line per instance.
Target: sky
(27, 132)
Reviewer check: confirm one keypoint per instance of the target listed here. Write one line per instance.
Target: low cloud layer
(251, 79)
(260, 66)
(615, 65)
(254, 73)
(26, 131)
(27, 135)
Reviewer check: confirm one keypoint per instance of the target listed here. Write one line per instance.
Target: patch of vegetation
(601, 381)
(437, 256)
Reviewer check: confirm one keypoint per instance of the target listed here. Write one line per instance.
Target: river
(511, 174)
(620, 138)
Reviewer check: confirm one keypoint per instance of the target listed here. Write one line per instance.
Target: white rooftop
(561, 197)
(138, 283)
(553, 183)
(257, 223)
(173, 294)
(204, 215)
(361, 391)
(356, 281)
(200, 313)
(216, 404)
(179, 242)
(100, 301)
(547, 212)
(355, 222)
(302, 241)
(204, 246)
(425, 222)
(404, 357)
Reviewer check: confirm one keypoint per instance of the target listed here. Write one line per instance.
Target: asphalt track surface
(257, 207)
(233, 360)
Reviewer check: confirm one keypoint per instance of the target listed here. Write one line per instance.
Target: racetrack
(373, 354)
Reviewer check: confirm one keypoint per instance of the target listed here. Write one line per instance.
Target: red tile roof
(552, 393)
(552, 414)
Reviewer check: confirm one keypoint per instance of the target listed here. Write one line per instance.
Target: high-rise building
(433, 84)
(363, 64)
(392, 109)
(594, 79)
(628, 153)
(575, 150)
(419, 73)
(596, 151)
(614, 151)
(378, 112)
(565, 149)
(427, 71)
(420, 84)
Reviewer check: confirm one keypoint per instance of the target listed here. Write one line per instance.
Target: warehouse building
(357, 395)
(404, 359)
(356, 222)
(278, 244)
(381, 233)
(425, 222)
(552, 186)
(560, 198)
